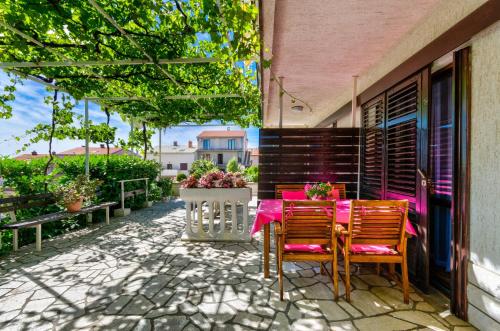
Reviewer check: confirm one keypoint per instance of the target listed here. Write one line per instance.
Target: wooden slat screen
(300, 156)
(372, 162)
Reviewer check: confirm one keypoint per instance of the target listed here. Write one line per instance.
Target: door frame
(461, 181)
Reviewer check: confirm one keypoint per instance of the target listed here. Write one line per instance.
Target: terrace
(390, 101)
(136, 274)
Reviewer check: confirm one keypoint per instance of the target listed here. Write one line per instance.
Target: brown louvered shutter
(401, 138)
(372, 161)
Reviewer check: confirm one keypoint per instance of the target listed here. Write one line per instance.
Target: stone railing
(204, 207)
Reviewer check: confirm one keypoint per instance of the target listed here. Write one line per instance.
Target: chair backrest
(27, 201)
(341, 188)
(286, 187)
(308, 222)
(377, 222)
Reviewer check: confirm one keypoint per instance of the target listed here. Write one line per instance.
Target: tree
(233, 166)
(75, 30)
(201, 167)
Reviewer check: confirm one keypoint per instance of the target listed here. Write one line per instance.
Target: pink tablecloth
(270, 211)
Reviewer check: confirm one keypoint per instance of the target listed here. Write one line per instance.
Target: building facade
(222, 146)
(175, 158)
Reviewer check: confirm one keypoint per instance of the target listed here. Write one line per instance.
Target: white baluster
(189, 231)
(234, 218)
(222, 218)
(201, 233)
(245, 218)
(211, 219)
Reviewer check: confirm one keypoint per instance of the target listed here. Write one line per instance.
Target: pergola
(160, 63)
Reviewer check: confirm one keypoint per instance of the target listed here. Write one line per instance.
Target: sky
(29, 109)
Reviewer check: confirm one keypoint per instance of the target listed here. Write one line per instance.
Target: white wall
(175, 159)
(484, 266)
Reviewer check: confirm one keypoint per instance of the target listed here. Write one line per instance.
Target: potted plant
(318, 191)
(72, 194)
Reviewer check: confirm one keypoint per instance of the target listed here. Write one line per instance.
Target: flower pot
(75, 206)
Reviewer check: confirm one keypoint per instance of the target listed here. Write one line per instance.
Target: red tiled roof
(222, 134)
(30, 156)
(92, 151)
(254, 151)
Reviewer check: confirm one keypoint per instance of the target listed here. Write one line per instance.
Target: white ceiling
(318, 45)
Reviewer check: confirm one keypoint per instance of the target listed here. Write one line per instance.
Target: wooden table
(270, 210)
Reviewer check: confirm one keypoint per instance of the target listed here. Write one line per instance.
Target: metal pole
(122, 186)
(87, 139)
(159, 150)
(354, 102)
(280, 84)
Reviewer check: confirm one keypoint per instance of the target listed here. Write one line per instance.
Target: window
(169, 166)
(206, 157)
(231, 144)
(206, 143)
(220, 159)
(184, 166)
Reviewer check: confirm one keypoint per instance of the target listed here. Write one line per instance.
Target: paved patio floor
(136, 274)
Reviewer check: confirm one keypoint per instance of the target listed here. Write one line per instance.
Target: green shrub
(25, 177)
(112, 170)
(180, 177)
(233, 166)
(165, 184)
(251, 173)
(201, 167)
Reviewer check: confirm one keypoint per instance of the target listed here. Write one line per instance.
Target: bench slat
(56, 216)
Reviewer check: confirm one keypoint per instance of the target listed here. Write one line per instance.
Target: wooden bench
(12, 204)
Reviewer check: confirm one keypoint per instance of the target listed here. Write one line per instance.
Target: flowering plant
(318, 190)
(211, 179)
(190, 182)
(215, 179)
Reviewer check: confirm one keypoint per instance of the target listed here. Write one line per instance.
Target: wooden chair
(341, 188)
(307, 233)
(286, 187)
(376, 234)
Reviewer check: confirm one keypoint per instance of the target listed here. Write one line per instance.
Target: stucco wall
(484, 266)
(443, 17)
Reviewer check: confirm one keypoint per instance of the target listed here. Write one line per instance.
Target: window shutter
(402, 107)
(372, 162)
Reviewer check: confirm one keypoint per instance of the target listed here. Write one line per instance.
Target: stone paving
(136, 274)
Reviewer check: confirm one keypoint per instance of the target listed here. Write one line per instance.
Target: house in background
(175, 158)
(254, 156)
(101, 150)
(221, 146)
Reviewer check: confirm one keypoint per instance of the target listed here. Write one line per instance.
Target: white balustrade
(204, 207)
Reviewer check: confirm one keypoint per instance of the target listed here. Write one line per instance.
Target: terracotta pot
(75, 206)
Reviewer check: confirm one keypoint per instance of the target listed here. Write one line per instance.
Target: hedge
(27, 177)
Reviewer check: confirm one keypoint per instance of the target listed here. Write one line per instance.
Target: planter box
(225, 202)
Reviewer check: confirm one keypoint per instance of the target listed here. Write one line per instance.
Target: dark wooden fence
(300, 156)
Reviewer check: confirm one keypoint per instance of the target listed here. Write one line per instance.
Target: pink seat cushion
(304, 248)
(372, 249)
(294, 195)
